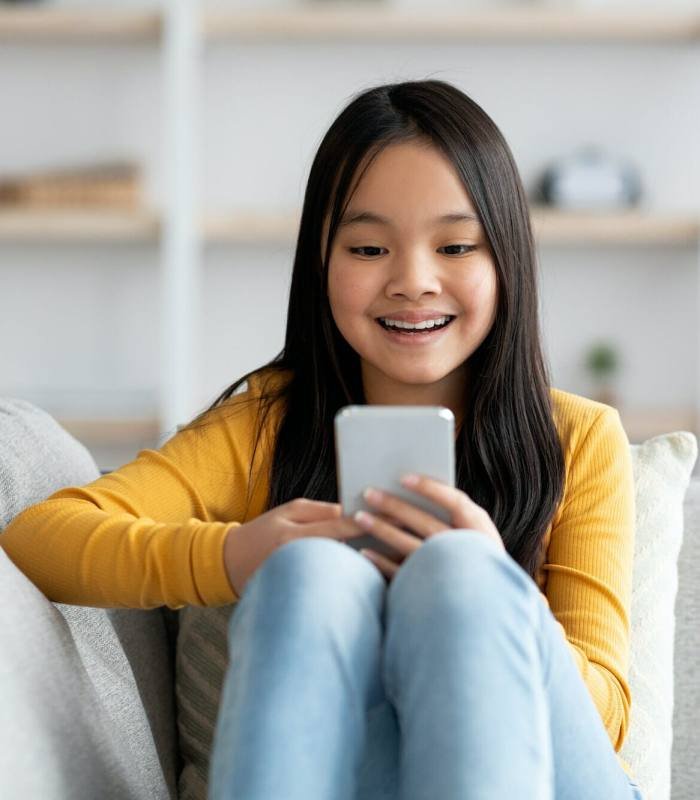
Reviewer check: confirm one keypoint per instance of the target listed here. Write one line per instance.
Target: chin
(415, 375)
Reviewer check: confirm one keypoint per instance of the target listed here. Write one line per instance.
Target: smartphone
(375, 445)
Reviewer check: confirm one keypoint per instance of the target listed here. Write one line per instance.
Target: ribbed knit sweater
(151, 533)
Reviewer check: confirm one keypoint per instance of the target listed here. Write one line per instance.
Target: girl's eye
(370, 247)
(466, 248)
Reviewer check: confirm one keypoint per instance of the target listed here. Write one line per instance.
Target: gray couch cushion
(111, 671)
(685, 754)
(57, 739)
(37, 457)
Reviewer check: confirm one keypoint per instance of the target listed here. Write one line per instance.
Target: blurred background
(153, 160)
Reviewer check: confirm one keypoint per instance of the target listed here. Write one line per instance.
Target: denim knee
(459, 572)
(317, 574)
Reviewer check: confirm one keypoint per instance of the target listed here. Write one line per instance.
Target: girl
(488, 659)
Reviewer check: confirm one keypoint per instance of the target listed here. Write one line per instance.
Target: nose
(411, 276)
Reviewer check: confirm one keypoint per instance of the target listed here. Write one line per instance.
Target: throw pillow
(662, 468)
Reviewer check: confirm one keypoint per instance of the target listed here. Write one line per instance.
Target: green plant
(602, 360)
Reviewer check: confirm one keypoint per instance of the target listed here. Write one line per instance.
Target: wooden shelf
(633, 227)
(642, 424)
(249, 227)
(102, 432)
(355, 21)
(75, 225)
(78, 24)
(550, 227)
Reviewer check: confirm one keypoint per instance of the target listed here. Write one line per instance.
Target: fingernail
(363, 518)
(410, 479)
(372, 494)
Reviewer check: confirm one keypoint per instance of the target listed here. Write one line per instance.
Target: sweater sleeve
(589, 567)
(148, 534)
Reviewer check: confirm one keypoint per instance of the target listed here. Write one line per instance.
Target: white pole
(696, 429)
(180, 243)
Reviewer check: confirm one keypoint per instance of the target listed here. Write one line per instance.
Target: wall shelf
(355, 21)
(535, 23)
(78, 24)
(244, 228)
(550, 227)
(632, 227)
(75, 225)
(643, 423)
(93, 432)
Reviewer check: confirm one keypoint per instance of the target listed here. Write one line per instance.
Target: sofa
(88, 694)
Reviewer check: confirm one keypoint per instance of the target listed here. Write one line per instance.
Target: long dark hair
(508, 454)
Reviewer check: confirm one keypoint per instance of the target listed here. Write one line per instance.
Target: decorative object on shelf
(590, 179)
(602, 362)
(115, 185)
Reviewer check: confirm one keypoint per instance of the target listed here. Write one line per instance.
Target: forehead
(408, 180)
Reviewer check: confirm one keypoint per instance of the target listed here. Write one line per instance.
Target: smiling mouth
(414, 331)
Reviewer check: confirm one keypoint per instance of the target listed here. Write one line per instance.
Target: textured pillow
(662, 469)
(202, 660)
(685, 755)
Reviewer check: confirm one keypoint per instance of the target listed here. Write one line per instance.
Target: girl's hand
(247, 546)
(464, 513)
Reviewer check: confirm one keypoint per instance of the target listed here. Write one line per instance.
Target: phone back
(377, 444)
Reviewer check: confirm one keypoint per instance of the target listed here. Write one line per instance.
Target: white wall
(79, 324)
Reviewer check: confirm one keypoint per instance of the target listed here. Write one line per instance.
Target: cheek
(337, 293)
(347, 294)
(480, 291)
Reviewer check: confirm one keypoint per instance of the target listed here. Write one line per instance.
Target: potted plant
(602, 362)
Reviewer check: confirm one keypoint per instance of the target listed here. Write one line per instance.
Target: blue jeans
(451, 681)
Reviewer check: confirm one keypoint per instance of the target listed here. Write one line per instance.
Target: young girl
(488, 659)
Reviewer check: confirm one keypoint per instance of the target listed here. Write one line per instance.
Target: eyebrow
(369, 216)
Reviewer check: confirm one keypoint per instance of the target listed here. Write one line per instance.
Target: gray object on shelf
(590, 179)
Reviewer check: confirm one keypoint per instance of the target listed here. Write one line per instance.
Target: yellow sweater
(151, 533)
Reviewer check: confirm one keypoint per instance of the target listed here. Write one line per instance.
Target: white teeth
(429, 323)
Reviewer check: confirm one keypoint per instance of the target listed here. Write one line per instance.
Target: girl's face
(412, 262)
